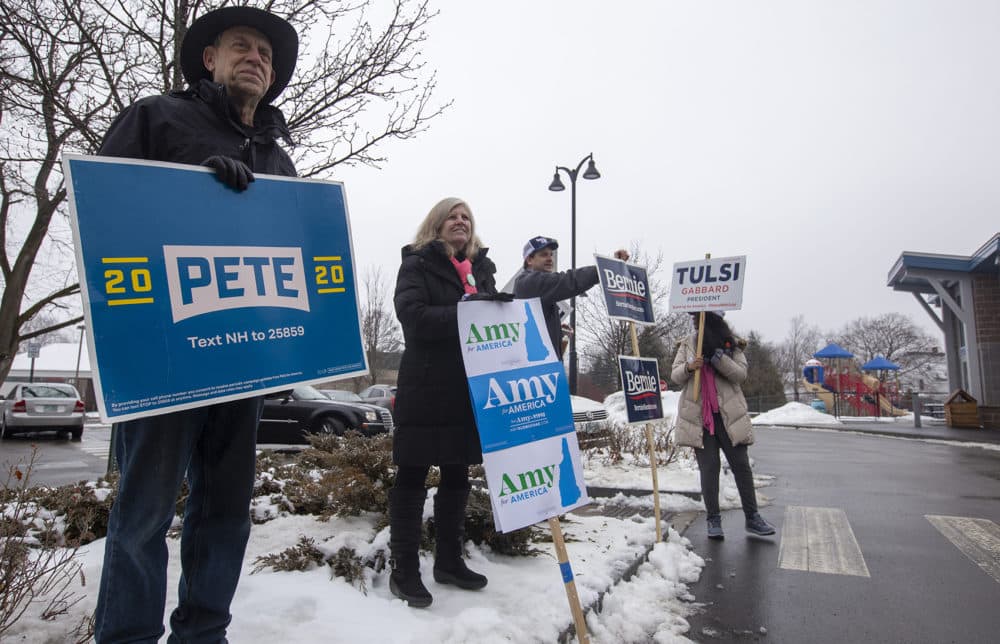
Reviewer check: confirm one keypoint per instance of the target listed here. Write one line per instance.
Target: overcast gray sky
(820, 139)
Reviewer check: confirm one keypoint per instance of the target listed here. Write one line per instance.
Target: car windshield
(340, 394)
(47, 391)
(305, 392)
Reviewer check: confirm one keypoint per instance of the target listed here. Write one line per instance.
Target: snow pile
(525, 600)
(795, 413)
(615, 404)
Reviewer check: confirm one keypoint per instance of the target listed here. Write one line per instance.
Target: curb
(990, 436)
(679, 521)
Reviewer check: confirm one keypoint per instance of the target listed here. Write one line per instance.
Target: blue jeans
(216, 447)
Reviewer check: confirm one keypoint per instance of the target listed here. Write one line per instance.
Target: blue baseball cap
(536, 244)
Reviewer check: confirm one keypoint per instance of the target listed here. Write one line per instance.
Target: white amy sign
(520, 396)
(714, 284)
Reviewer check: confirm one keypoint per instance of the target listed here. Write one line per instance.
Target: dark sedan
(304, 410)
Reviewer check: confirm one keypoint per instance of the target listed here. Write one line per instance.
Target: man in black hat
(539, 279)
(236, 60)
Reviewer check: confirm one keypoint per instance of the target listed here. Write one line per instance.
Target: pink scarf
(709, 398)
(464, 269)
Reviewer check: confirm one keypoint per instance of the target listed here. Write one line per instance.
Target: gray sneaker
(715, 527)
(757, 525)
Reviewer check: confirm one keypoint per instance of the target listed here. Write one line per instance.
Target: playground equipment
(846, 390)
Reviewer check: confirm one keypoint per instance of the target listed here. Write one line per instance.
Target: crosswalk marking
(100, 450)
(820, 540)
(978, 539)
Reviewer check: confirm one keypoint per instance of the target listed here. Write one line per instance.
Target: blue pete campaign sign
(520, 395)
(626, 290)
(195, 293)
(641, 386)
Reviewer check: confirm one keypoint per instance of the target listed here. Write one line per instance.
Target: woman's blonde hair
(431, 226)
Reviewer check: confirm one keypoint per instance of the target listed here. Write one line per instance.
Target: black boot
(449, 526)
(406, 518)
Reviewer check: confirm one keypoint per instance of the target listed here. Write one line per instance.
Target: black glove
(235, 174)
(488, 297)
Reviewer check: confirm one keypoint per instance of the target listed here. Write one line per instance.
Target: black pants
(709, 465)
(414, 477)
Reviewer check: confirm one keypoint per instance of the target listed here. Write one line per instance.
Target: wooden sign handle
(696, 390)
(651, 447)
(567, 574)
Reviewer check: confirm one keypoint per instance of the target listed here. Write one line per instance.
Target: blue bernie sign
(641, 385)
(194, 293)
(626, 290)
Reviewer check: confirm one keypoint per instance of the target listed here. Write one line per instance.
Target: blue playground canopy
(833, 351)
(879, 363)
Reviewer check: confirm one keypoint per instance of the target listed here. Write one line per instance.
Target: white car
(586, 410)
(42, 406)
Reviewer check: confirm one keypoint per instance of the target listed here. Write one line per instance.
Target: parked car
(305, 410)
(42, 406)
(591, 421)
(586, 410)
(381, 395)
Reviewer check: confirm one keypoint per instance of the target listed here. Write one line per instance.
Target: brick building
(967, 292)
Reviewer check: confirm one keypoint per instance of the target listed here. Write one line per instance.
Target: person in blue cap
(540, 279)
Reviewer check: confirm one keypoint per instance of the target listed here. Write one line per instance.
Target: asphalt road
(58, 461)
(861, 553)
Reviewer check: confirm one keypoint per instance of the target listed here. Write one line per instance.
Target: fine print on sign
(207, 294)
(708, 284)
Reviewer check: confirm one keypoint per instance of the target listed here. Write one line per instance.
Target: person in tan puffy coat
(718, 418)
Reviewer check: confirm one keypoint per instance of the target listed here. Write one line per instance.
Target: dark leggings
(414, 477)
(709, 465)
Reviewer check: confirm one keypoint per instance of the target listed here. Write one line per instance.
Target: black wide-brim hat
(204, 31)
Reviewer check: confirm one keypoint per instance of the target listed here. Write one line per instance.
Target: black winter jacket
(191, 125)
(434, 420)
(552, 288)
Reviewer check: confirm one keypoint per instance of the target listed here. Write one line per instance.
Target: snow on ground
(525, 600)
(794, 413)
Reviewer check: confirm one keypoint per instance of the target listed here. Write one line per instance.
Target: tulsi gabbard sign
(626, 290)
(641, 385)
(708, 284)
(521, 400)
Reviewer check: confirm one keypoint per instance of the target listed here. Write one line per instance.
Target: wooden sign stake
(652, 450)
(696, 390)
(567, 575)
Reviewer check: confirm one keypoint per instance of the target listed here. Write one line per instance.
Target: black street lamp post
(557, 186)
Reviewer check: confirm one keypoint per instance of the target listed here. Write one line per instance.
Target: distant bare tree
(380, 331)
(897, 338)
(801, 342)
(67, 67)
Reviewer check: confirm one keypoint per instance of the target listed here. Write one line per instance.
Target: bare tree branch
(68, 67)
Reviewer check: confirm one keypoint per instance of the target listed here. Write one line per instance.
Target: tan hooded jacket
(730, 372)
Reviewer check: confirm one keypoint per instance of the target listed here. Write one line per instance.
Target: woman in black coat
(434, 420)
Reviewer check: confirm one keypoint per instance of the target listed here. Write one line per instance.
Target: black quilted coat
(434, 420)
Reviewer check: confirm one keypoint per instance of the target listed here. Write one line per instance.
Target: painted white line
(100, 450)
(978, 539)
(820, 540)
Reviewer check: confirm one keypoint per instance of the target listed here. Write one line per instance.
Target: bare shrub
(32, 572)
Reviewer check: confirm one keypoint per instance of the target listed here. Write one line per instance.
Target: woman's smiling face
(456, 229)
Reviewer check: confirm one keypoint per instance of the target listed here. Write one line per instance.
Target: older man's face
(241, 60)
